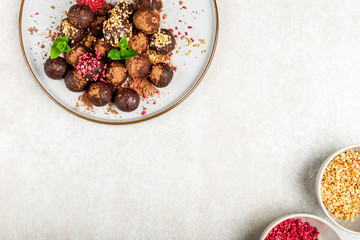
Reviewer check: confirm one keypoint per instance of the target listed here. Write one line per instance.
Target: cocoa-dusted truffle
(75, 82)
(56, 68)
(163, 41)
(99, 94)
(123, 9)
(139, 42)
(161, 75)
(116, 73)
(127, 100)
(97, 25)
(73, 56)
(147, 20)
(92, 67)
(116, 28)
(157, 4)
(103, 47)
(138, 66)
(75, 35)
(81, 16)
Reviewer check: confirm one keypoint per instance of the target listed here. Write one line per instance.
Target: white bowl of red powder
(300, 226)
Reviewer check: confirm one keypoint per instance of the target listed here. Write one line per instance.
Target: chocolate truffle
(123, 9)
(161, 75)
(103, 47)
(56, 68)
(97, 25)
(75, 35)
(138, 66)
(163, 41)
(92, 67)
(73, 56)
(157, 4)
(139, 42)
(116, 28)
(81, 16)
(75, 82)
(99, 94)
(147, 20)
(116, 73)
(127, 100)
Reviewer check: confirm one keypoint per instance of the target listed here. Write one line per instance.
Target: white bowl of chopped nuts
(338, 188)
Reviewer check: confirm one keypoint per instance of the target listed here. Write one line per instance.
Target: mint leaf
(130, 54)
(55, 53)
(123, 43)
(114, 54)
(67, 48)
(60, 45)
(64, 39)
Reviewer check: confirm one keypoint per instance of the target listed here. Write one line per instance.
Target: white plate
(201, 15)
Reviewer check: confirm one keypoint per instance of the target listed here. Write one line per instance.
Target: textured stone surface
(219, 166)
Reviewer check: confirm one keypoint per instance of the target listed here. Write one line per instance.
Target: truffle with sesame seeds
(75, 35)
(139, 42)
(75, 82)
(157, 4)
(81, 16)
(163, 41)
(116, 73)
(99, 94)
(73, 56)
(56, 68)
(138, 66)
(147, 20)
(161, 75)
(127, 100)
(116, 28)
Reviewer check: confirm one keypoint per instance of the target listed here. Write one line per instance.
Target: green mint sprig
(59, 46)
(124, 53)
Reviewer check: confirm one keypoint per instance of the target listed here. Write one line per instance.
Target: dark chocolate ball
(103, 47)
(73, 56)
(99, 94)
(123, 9)
(163, 42)
(56, 68)
(138, 66)
(81, 16)
(157, 4)
(161, 75)
(116, 73)
(75, 35)
(147, 20)
(75, 82)
(127, 100)
(139, 42)
(97, 25)
(116, 28)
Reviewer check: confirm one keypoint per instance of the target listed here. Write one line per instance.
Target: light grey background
(244, 149)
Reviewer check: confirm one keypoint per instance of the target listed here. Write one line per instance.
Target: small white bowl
(351, 227)
(326, 230)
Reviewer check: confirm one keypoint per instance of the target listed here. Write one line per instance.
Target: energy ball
(56, 68)
(138, 66)
(81, 16)
(75, 35)
(139, 42)
(123, 9)
(75, 82)
(99, 94)
(97, 25)
(157, 4)
(147, 20)
(92, 67)
(127, 100)
(161, 75)
(116, 73)
(73, 56)
(163, 42)
(116, 28)
(103, 47)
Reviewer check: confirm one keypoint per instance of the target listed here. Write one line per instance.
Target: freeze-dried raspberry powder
(293, 229)
(95, 5)
(89, 66)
